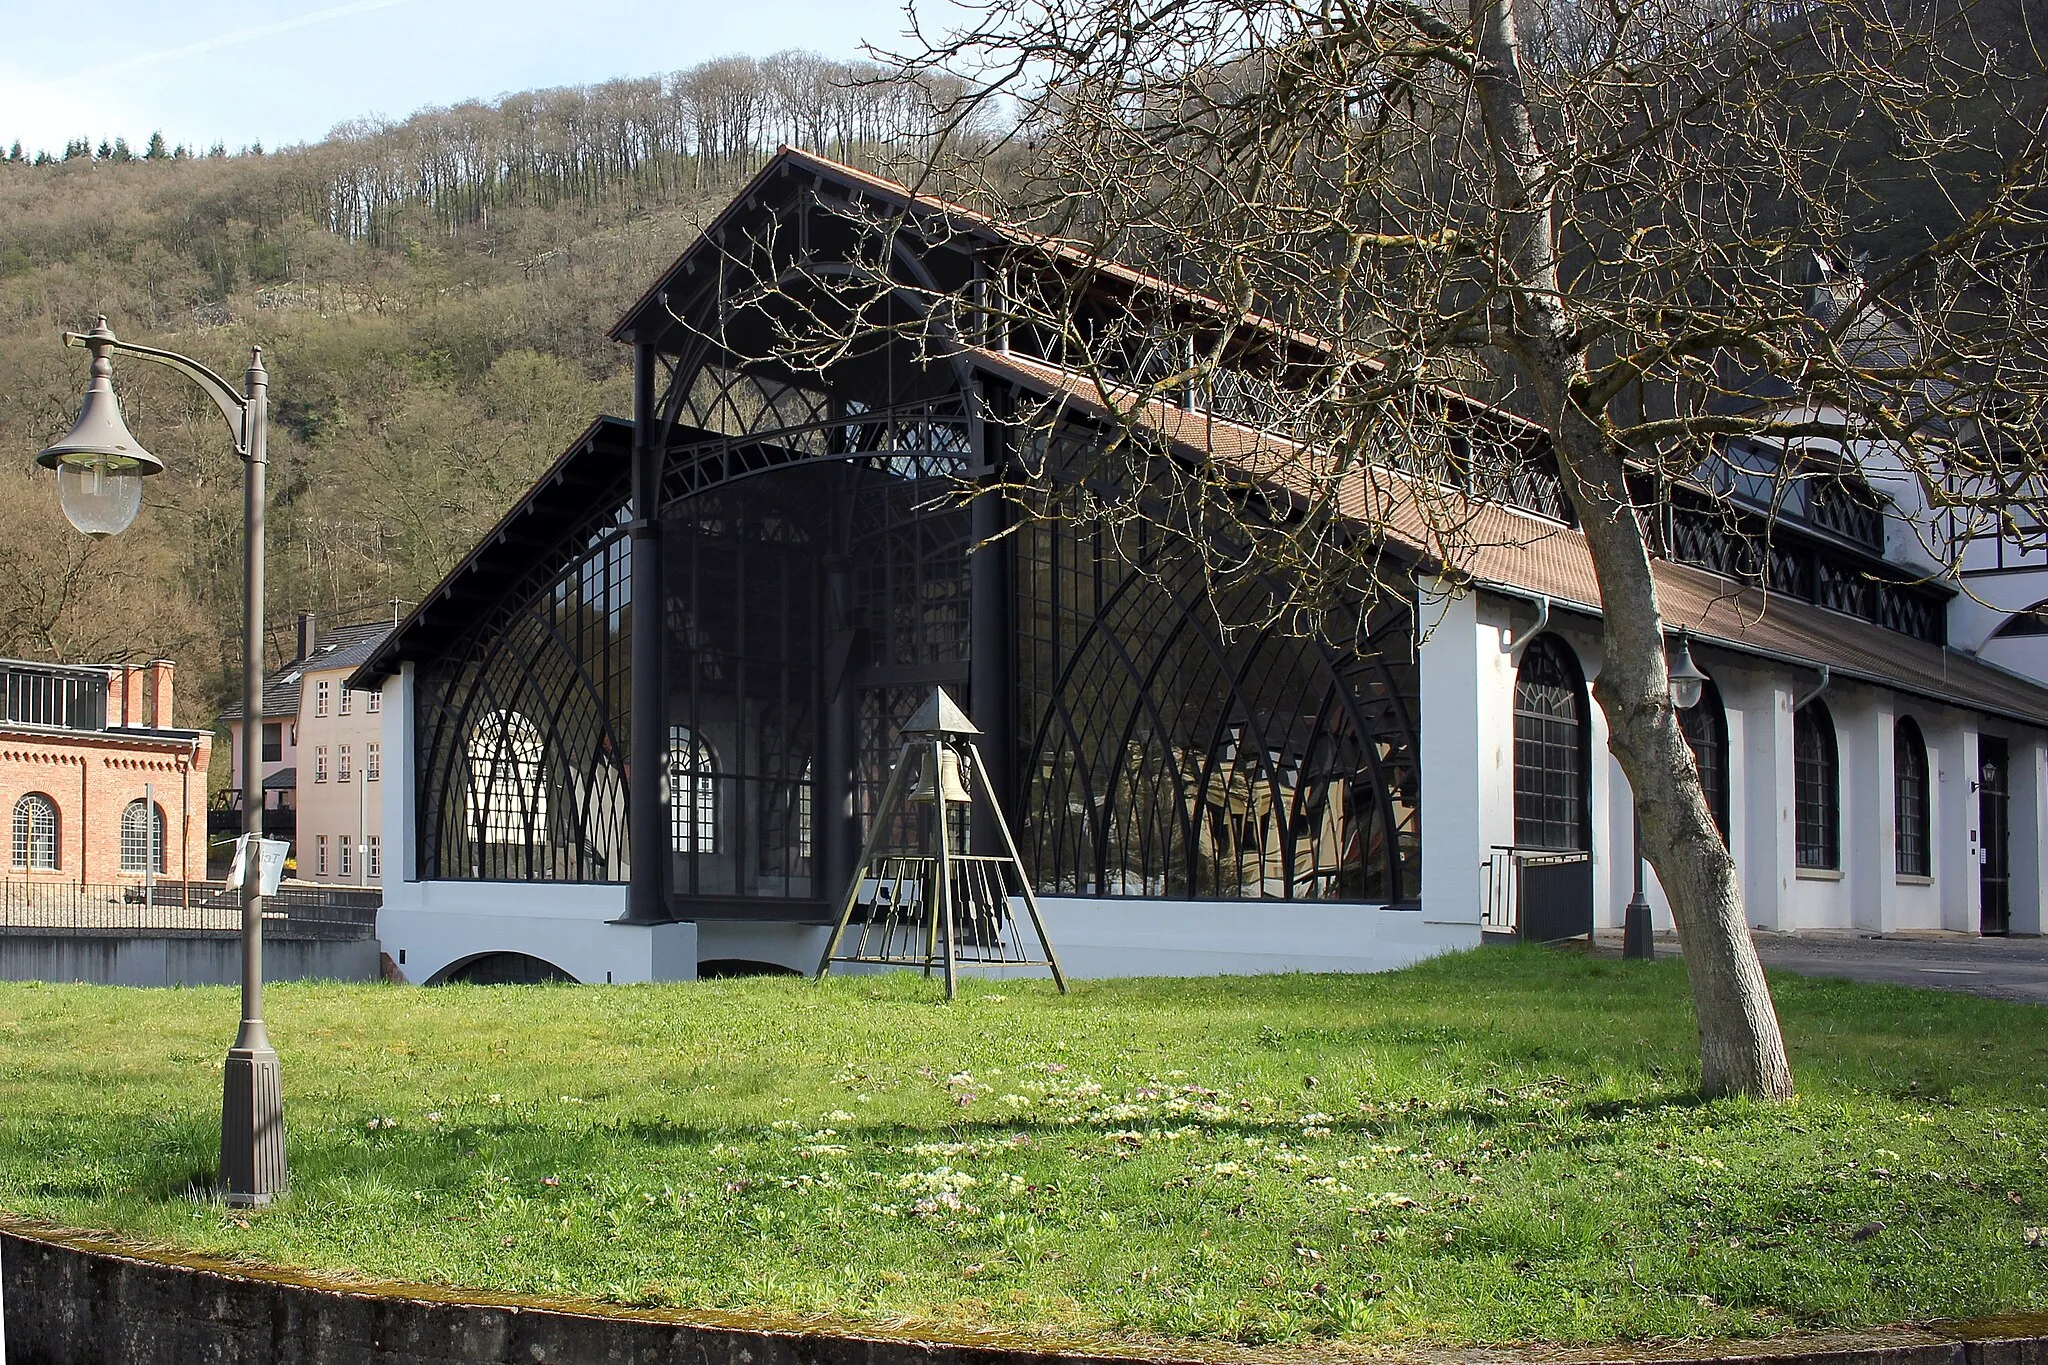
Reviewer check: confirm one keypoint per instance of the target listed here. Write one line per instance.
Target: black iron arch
(501, 967)
(1167, 756)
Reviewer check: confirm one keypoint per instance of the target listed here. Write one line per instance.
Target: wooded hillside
(432, 298)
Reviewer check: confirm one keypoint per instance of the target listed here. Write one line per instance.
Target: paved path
(2004, 968)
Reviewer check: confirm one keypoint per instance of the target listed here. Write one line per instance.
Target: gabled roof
(348, 646)
(595, 461)
(340, 647)
(958, 220)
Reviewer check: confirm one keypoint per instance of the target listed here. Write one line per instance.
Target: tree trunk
(1742, 1051)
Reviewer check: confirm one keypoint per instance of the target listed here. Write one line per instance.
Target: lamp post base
(1637, 940)
(252, 1169)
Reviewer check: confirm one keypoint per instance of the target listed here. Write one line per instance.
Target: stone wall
(70, 1300)
(180, 959)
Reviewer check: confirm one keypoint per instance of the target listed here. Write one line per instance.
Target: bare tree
(1648, 227)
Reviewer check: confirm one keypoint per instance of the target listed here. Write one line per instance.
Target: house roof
(961, 219)
(341, 647)
(1492, 545)
(594, 465)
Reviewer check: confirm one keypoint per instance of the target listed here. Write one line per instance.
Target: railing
(224, 815)
(1500, 893)
(183, 907)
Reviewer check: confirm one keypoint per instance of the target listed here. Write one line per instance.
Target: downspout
(1818, 688)
(1542, 602)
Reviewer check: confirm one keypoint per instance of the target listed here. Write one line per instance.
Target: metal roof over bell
(940, 715)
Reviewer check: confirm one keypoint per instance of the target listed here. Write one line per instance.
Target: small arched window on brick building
(142, 837)
(35, 832)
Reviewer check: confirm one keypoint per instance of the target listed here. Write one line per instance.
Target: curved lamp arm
(233, 406)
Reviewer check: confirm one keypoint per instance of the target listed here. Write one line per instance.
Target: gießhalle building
(746, 590)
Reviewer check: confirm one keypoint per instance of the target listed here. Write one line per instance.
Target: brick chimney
(158, 690)
(306, 635)
(122, 696)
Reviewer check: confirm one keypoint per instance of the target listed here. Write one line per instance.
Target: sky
(288, 71)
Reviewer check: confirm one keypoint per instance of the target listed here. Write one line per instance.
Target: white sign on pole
(272, 864)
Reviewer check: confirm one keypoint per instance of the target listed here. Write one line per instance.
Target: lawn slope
(1494, 1147)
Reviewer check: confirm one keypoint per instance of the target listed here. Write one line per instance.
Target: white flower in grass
(839, 1116)
(1314, 1131)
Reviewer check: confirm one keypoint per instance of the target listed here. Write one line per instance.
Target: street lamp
(100, 468)
(1687, 684)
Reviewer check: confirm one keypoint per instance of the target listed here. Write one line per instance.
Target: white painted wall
(1461, 750)
(1867, 892)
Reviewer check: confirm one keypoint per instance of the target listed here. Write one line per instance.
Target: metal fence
(183, 907)
(1541, 895)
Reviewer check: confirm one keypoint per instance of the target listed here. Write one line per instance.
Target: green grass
(1495, 1147)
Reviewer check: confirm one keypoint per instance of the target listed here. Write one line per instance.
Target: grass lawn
(1495, 1147)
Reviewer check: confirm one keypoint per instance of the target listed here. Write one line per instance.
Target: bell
(952, 787)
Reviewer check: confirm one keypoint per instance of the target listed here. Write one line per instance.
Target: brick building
(100, 787)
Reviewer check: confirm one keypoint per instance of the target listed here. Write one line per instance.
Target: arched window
(35, 832)
(1705, 725)
(2032, 621)
(507, 802)
(142, 837)
(1910, 800)
(1816, 788)
(692, 791)
(1550, 748)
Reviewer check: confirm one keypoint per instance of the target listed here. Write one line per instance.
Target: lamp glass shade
(1686, 681)
(100, 495)
(100, 465)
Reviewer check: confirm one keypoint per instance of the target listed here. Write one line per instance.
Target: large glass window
(745, 604)
(1167, 756)
(35, 832)
(508, 798)
(522, 723)
(1705, 726)
(142, 837)
(1910, 800)
(692, 792)
(1816, 785)
(1551, 745)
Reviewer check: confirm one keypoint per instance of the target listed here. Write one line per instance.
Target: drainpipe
(1542, 620)
(1818, 688)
